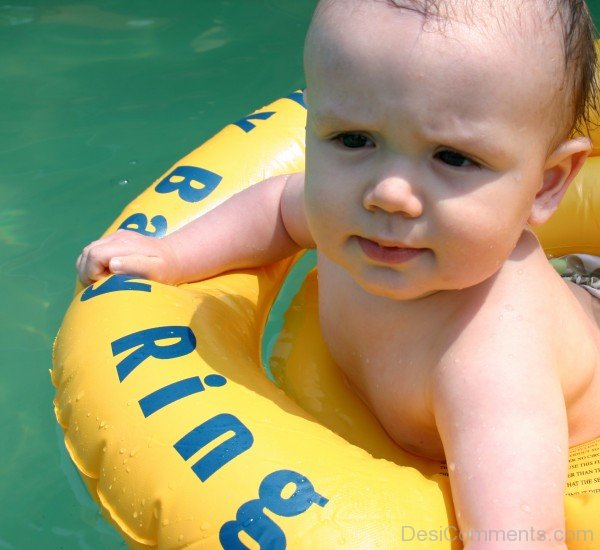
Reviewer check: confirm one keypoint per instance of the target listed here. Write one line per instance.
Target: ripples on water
(98, 99)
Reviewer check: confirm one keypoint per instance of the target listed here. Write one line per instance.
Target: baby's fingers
(146, 267)
(92, 264)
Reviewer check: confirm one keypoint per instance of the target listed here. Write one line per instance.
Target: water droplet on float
(248, 522)
(205, 526)
(123, 182)
(451, 466)
(526, 508)
(121, 450)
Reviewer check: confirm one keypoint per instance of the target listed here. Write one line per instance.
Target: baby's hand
(131, 253)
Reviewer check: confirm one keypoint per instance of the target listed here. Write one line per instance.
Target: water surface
(98, 99)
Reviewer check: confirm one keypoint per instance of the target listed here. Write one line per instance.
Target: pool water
(98, 99)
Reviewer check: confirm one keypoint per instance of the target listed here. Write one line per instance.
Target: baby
(437, 134)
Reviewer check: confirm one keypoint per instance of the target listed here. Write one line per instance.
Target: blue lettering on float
(116, 283)
(146, 343)
(176, 391)
(215, 380)
(185, 180)
(298, 97)
(247, 126)
(139, 223)
(271, 489)
(169, 394)
(251, 517)
(223, 453)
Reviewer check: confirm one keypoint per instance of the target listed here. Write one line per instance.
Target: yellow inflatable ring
(182, 439)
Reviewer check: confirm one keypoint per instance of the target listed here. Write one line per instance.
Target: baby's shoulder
(525, 318)
(526, 288)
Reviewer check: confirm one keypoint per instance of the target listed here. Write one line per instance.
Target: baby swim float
(182, 439)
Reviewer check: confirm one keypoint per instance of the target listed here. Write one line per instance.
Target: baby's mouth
(383, 253)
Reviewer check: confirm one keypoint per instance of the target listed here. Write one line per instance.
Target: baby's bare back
(393, 353)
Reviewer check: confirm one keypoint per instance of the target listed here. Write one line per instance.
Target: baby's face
(425, 147)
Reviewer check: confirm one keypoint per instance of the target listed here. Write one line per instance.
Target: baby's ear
(560, 169)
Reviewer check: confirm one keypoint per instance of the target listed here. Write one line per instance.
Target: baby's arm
(257, 226)
(500, 412)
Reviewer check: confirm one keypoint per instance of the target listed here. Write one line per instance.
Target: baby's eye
(452, 158)
(354, 140)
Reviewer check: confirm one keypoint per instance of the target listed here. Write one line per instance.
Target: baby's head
(442, 128)
(564, 23)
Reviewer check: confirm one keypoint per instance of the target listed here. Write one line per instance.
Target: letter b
(192, 183)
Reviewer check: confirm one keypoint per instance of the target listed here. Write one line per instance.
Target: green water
(98, 99)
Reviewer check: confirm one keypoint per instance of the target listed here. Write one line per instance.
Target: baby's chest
(389, 371)
(394, 386)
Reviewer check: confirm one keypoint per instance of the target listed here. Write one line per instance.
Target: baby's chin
(403, 295)
(379, 281)
(400, 290)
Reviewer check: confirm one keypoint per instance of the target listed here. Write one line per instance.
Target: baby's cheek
(316, 217)
(485, 250)
(325, 209)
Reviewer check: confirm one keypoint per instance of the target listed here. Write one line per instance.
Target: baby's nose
(393, 194)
